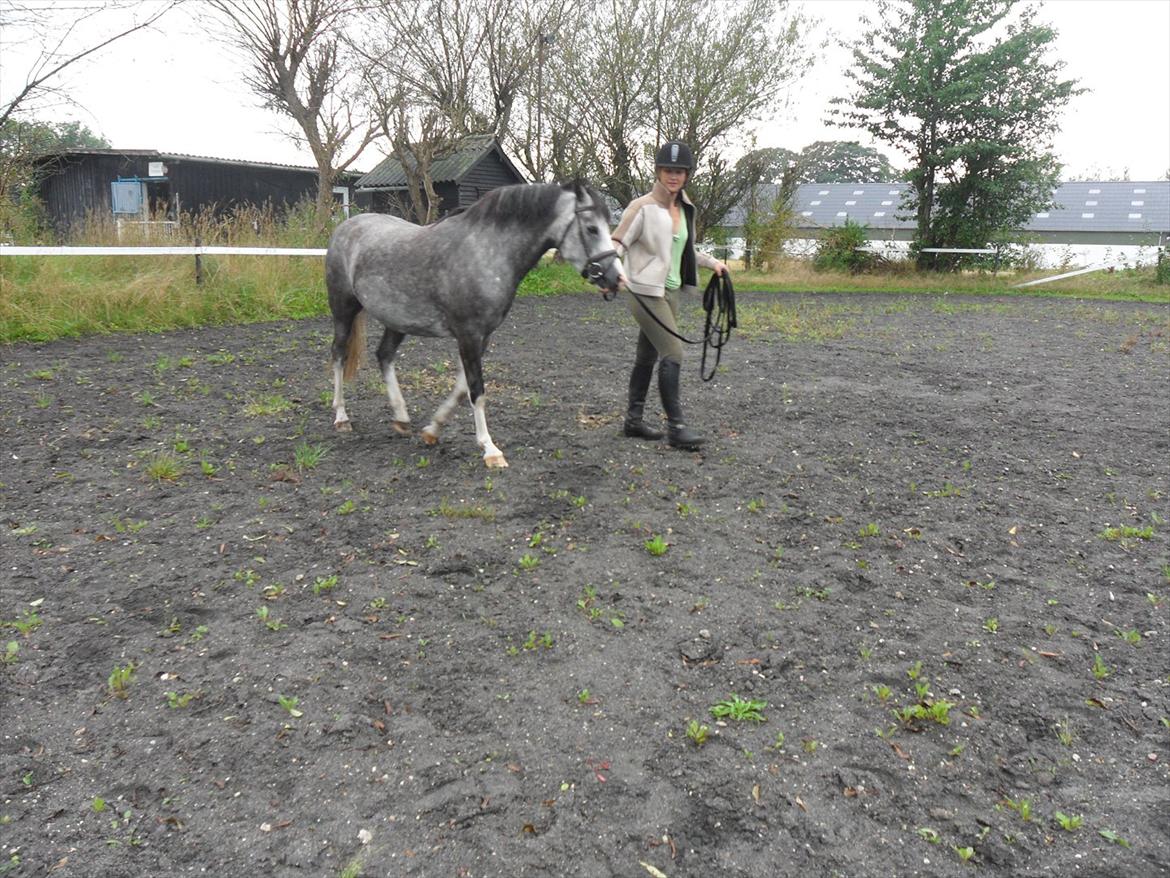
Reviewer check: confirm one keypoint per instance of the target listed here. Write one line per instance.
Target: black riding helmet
(675, 154)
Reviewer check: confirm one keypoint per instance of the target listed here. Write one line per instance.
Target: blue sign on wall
(127, 196)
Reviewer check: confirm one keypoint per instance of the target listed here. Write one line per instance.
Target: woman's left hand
(719, 268)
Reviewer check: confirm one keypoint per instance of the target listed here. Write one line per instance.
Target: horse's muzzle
(602, 271)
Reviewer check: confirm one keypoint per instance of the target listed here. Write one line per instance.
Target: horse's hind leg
(348, 343)
(387, 348)
(471, 353)
(430, 432)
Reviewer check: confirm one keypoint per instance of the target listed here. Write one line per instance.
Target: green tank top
(677, 242)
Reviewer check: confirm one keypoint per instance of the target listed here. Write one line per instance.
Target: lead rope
(719, 323)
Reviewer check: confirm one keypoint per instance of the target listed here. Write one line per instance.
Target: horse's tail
(356, 345)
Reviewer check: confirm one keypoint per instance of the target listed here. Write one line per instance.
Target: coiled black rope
(719, 303)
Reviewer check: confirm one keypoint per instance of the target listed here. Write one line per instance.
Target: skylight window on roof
(1139, 191)
(886, 203)
(850, 203)
(1090, 204)
(814, 203)
(1042, 215)
(879, 213)
(1137, 204)
(823, 192)
(1135, 216)
(1086, 216)
(858, 191)
(842, 213)
(1094, 191)
(806, 213)
(893, 191)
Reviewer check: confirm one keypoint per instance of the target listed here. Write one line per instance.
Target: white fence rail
(1045, 280)
(160, 251)
(7, 250)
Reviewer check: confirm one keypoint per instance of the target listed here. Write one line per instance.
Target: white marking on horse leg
(492, 456)
(340, 418)
(401, 422)
(430, 433)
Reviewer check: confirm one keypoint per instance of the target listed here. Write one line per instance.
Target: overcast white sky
(175, 90)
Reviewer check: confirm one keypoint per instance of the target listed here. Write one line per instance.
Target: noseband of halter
(595, 263)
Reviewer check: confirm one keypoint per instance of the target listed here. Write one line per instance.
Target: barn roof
(451, 167)
(1101, 207)
(178, 156)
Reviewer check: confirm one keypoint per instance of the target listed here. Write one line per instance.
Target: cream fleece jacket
(643, 243)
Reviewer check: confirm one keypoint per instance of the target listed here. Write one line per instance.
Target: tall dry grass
(42, 298)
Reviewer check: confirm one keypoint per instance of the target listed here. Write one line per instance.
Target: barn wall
(487, 174)
(204, 185)
(77, 184)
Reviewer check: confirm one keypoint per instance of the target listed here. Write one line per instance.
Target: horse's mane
(522, 204)
(526, 203)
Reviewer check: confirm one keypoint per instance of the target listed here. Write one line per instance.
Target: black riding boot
(639, 383)
(678, 434)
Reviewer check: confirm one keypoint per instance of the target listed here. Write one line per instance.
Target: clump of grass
(120, 679)
(308, 455)
(325, 584)
(29, 621)
(1125, 532)
(164, 467)
(269, 404)
(1069, 822)
(739, 709)
(464, 510)
(656, 546)
(697, 732)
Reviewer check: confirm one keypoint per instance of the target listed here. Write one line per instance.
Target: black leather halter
(595, 263)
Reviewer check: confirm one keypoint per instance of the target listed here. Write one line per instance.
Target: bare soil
(391, 661)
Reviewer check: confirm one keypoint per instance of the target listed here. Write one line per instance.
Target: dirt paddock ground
(921, 572)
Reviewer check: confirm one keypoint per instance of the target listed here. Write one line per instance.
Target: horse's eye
(593, 230)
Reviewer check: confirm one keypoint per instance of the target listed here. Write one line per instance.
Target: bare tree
(58, 46)
(441, 70)
(298, 67)
(704, 71)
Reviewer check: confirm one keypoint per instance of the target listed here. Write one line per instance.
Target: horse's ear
(577, 187)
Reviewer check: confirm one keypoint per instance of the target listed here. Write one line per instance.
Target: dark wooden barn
(461, 177)
(151, 186)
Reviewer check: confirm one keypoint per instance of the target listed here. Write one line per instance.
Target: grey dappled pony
(455, 279)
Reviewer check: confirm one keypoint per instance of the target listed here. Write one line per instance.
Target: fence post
(198, 264)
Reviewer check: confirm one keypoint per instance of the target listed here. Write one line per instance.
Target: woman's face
(673, 179)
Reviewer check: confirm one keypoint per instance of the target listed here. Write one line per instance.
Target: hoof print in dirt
(702, 649)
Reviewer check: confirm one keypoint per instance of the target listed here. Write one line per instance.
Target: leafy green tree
(966, 88)
(766, 200)
(21, 142)
(843, 161)
(839, 249)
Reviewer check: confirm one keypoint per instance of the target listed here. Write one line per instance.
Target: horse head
(586, 244)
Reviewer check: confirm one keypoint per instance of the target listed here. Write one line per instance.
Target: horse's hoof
(402, 428)
(495, 461)
(343, 427)
(430, 438)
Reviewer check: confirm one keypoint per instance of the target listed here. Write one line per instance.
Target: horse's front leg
(430, 433)
(386, 351)
(471, 353)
